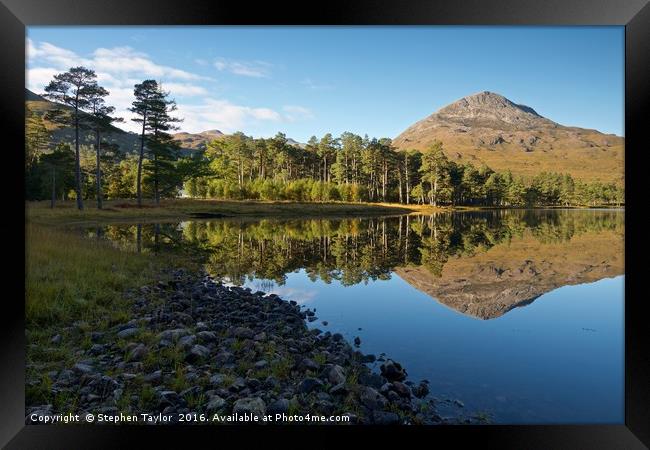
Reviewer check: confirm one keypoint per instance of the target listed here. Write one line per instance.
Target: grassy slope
(126, 141)
(72, 277)
(602, 162)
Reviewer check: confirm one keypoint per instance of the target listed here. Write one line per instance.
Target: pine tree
(163, 149)
(100, 120)
(434, 169)
(147, 94)
(72, 89)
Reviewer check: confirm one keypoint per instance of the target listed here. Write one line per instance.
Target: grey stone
(336, 375)
(217, 379)
(82, 368)
(197, 353)
(261, 364)
(128, 333)
(206, 336)
(392, 371)
(237, 385)
(224, 357)
(173, 335)
(153, 377)
(138, 353)
(250, 405)
(242, 333)
(339, 389)
(370, 398)
(280, 406)
(309, 385)
(402, 389)
(187, 341)
(215, 404)
(309, 364)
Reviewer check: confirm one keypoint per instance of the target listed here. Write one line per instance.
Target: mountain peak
(487, 128)
(491, 106)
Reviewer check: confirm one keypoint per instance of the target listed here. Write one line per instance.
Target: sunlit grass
(69, 277)
(127, 210)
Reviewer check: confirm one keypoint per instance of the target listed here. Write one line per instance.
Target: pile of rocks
(197, 346)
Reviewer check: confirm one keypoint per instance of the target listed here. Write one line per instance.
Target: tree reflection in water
(352, 250)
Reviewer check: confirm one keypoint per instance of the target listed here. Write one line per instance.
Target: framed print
(378, 219)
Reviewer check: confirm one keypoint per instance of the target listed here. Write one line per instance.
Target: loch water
(517, 315)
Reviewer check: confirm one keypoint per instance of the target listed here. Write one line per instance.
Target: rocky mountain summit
(490, 110)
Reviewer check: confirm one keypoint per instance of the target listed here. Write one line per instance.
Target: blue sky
(308, 81)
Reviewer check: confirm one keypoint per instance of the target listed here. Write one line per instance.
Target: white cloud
(122, 61)
(38, 77)
(118, 69)
(184, 89)
(223, 115)
(255, 69)
(125, 60)
(53, 55)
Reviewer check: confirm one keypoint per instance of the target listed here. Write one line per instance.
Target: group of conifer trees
(344, 168)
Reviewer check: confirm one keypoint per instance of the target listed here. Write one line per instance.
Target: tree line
(355, 168)
(344, 168)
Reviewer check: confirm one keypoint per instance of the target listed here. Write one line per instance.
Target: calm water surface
(519, 314)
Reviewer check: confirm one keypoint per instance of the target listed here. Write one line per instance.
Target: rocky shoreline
(195, 346)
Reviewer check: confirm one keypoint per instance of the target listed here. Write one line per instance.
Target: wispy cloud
(255, 69)
(311, 84)
(295, 113)
(185, 89)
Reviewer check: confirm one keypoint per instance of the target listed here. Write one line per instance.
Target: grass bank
(71, 277)
(65, 213)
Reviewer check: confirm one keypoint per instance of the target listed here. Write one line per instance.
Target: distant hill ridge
(127, 140)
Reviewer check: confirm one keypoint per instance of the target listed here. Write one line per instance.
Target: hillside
(196, 141)
(488, 128)
(126, 141)
(199, 141)
(491, 283)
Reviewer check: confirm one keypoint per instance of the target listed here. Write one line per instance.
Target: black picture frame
(15, 15)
